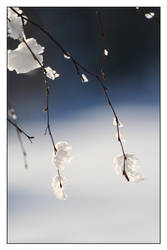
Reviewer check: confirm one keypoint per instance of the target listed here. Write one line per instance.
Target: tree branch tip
(126, 176)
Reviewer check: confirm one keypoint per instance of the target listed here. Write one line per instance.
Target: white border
(3, 94)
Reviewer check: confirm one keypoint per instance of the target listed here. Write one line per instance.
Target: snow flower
(115, 123)
(150, 15)
(11, 113)
(58, 187)
(105, 52)
(51, 73)
(131, 167)
(84, 78)
(21, 59)
(15, 29)
(67, 57)
(61, 157)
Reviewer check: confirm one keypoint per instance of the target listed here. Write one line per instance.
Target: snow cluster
(149, 15)
(51, 73)
(105, 52)
(66, 57)
(84, 78)
(58, 187)
(12, 114)
(59, 159)
(21, 59)
(15, 29)
(131, 167)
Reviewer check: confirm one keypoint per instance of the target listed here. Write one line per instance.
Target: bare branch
(46, 109)
(22, 148)
(102, 40)
(20, 130)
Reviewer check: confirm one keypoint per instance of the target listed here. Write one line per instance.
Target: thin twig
(46, 93)
(102, 40)
(78, 66)
(22, 148)
(20, 130)
(46, 109)
(11, 112)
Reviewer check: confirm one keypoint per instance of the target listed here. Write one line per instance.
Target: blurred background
(101, 206)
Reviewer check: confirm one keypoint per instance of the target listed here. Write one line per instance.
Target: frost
(105, 52)
(51, 73)
(131, 167)
(11, 113)
(84, 78)
(21, 59)
(120, 125)
(61, 157)
(150, 15)
(58, 187)
(121, 136)
(15, 29)
(67, 57)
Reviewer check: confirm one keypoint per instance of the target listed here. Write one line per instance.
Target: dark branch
(102, 40)
(20, 130)
(22, 148)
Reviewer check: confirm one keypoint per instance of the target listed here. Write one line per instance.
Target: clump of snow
(67, 57)
(21, 59)
(105, 52)
(131, 167)
(149, 15)
(15, 29)
(61, 157)
(51, 73)
(84, 78)
(58, 187)
(11, 113)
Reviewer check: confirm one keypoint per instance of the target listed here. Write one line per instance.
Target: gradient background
(101, 206)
